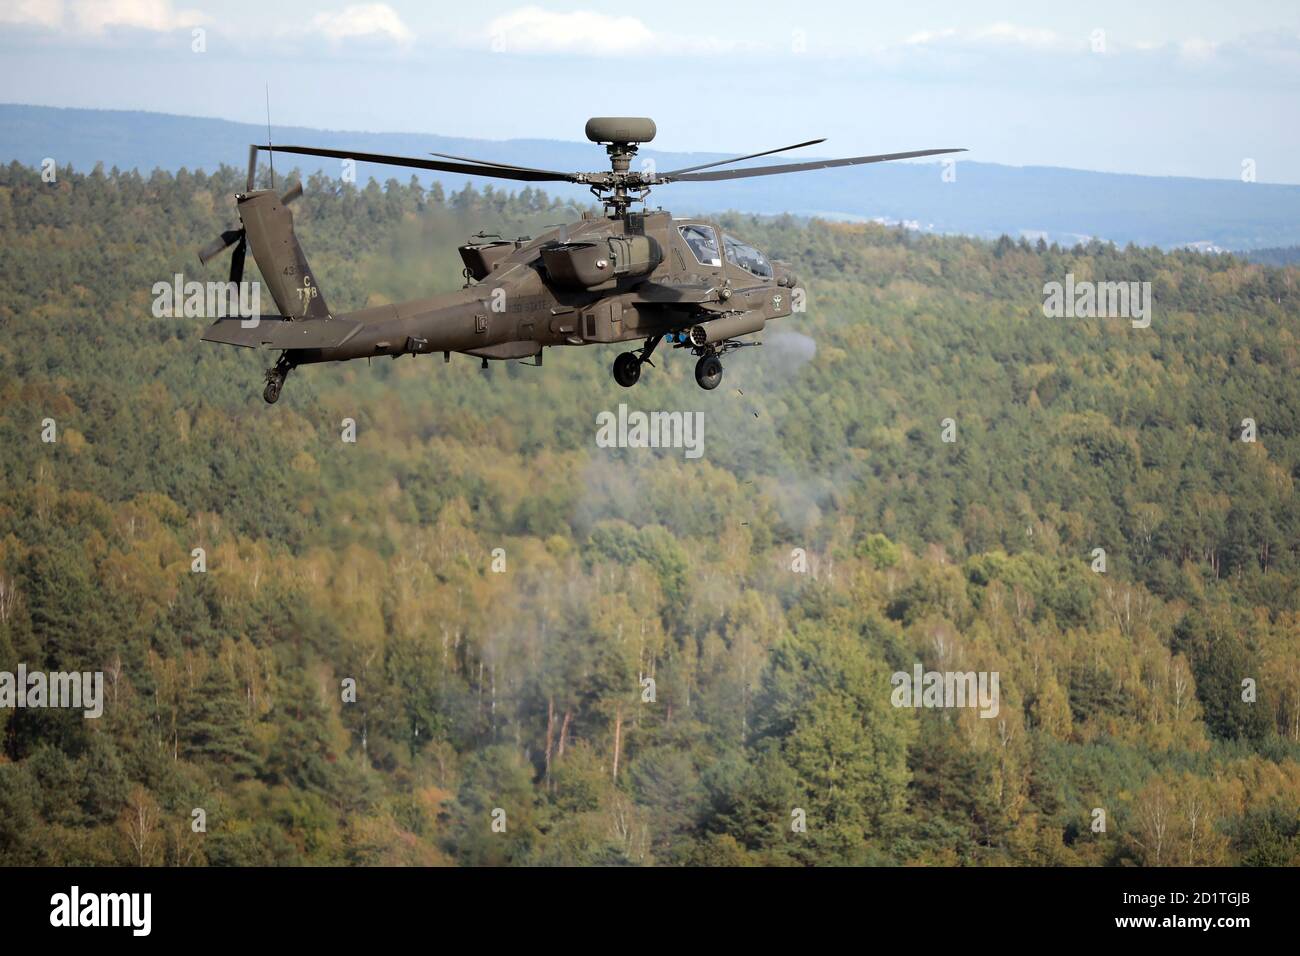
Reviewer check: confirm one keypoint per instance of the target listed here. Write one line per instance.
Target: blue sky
(1188, 88)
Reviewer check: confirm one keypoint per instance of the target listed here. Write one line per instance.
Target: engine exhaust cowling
(586, 265)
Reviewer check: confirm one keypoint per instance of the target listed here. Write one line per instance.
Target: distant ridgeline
(986, 200)
(949, 581)
(1287, 256)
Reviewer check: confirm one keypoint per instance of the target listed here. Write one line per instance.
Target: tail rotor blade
(219, 245)
(237, 260)
(294, 192)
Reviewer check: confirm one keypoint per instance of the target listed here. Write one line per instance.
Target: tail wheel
(627, 369)
(275, 376)
(708, 372)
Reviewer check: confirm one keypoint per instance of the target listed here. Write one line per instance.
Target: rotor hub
(620, 135)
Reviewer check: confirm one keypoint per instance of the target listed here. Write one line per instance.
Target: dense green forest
(521, 690)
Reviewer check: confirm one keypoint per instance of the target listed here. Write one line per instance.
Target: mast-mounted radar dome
(620, 129)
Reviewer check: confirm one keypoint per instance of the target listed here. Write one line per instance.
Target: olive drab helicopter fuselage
(623, 276)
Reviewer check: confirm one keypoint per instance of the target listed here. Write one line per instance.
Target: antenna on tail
(270, 153)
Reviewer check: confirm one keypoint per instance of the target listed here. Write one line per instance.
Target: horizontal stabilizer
(275, 333)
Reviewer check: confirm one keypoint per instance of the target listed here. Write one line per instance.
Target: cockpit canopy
(703, 241)
(747, 257)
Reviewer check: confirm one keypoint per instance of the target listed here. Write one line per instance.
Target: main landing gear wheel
(627, 369)
(708, 372)
(272, 391)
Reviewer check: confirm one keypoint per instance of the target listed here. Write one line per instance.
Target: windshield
(703, 243)
(747, 257)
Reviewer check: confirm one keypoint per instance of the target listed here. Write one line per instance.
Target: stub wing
(276, 333)
(663, 293)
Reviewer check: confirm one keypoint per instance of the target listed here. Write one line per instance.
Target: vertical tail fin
(269, 226)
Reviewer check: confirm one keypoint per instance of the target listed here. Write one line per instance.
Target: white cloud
(533, 30)
(1198, 49)
(32, 13)
(1016, 35)
(363, 21)
(587, 33)
(996, 34)
(928, 36)
(96, 16)
(97, 22)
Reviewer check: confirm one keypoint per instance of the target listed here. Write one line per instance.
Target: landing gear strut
(708, 370)
(275, 376)
(627, 367)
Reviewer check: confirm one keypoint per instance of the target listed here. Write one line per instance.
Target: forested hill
(521, 689)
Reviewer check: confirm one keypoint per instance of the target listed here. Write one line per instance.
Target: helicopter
(622, 276)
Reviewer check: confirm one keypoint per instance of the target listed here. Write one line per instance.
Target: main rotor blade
(488, 162)
(500, 172)
(799, 167)
(737, 159)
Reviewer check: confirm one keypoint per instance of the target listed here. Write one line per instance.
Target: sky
(1185, 88)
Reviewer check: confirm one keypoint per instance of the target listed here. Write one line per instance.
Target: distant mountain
(1285, 256)
(986, 199)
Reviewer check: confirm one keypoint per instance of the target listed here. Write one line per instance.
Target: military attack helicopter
(623, 276)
